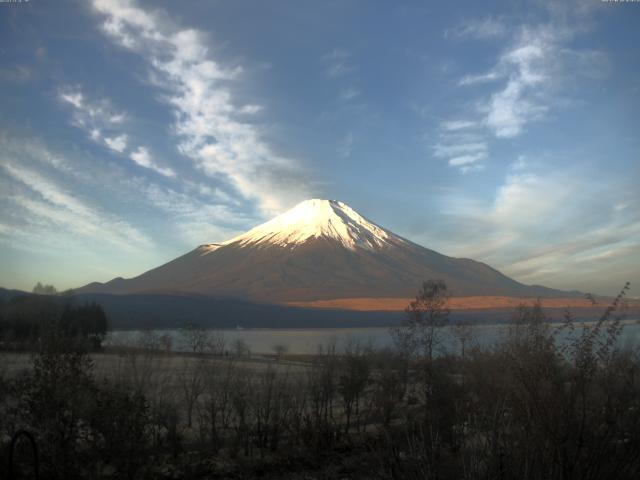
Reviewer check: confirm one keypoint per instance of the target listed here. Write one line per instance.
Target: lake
(305, 341)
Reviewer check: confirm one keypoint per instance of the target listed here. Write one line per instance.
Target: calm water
(301, 341)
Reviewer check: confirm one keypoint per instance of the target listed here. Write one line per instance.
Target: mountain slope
(320, 249)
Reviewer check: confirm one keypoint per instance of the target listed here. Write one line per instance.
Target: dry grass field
(455, 303)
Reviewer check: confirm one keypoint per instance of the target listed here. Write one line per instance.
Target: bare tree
(425, 316)
(216, 342)
(240, 348)
(463, 333)
(216, 408)
(353, 379)
(148, 340)
(166, 343)
(194, 337)
(280, 349)
(192, 385)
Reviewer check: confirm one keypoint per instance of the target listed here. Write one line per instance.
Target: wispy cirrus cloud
(349, 93)
(455, 125)
(195, 220)
(337, 63)
(143, 157)
(478, 78)
(46, 200)
(250, 109)
(527, 69)
(461, 146)
(117, 143)
(104, 124)
(526, 83)
(346, 146)
(96, 117)
(48, 195)
(16, 74)
(529, 77)
(197, 89)
(339, 66)
(526, 234)
(468, 162)
(482, 29)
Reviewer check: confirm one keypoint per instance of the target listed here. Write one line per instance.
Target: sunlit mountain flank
(318, 250)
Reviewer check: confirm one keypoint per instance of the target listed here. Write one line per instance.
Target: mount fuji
(319, 251)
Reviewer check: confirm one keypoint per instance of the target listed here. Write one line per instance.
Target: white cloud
(525, 199)
(556, 227)
(454, 125)
(197, 90)
(482, 78)
(52, 215)
(47, 190)
(142, 157)
(95, 134)
(535, 64)
(117, 144)
(16, 147)
(251, 109)
(528, 75)
(349, 93)
(94, 116)
(464, 169)
(346, 146)
(16, 74)
(482, 29)
(117, 118)
(608, 253)
(337, 63)
(525, 66)
(464, 151)
(74, 98)
(69, 212)
(451, 149)
(465, 159)
(620, 206)
(519, 164)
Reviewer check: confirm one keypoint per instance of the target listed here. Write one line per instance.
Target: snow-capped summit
(317, 218)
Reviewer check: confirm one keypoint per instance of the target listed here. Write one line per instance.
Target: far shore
(394, 304)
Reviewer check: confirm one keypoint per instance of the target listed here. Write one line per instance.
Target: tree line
(530, 407)
(24, 321)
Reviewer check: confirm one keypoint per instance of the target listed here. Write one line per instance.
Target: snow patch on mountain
(318, 218)
(208, 248)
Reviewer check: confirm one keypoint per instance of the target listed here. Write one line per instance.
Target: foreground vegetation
(528, 408)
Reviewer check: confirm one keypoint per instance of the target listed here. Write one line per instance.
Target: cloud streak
(95, 117)
(118, 143)
(47, 201)
(487, 28)
(528, 76)
(461, 146)
(525, 84)
(207, 123)
(337, 63)
(543, 226)
(104, 125)
(525, 66)
(142, 157)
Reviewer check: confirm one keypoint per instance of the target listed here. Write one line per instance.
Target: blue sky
(130, 132)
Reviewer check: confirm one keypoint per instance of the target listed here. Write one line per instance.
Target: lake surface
(305, 341)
